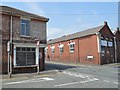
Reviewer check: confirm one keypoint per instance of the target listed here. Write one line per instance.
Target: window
(25, 56)
(110, 43)
(103, 43)
(71, 47)
(61, 49)
(53, 50)
(25, 27)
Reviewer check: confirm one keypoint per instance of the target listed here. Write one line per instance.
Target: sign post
(8, 50)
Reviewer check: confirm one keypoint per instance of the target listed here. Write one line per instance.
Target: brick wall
(107, 35)
(118, 45)
(88, 47)
(37, 30)
(84, 47)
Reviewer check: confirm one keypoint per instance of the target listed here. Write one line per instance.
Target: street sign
(8, 46)
(38, 43)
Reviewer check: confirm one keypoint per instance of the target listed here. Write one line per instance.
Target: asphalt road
(70, 76)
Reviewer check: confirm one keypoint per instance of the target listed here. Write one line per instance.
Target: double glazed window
(61, 49)
(106, 43)
(52, 49)
(72, 48)
(25, 27)
(110, 43)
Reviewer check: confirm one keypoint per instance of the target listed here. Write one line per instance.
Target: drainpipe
(11, 20)
(99, 46)
(115, 49)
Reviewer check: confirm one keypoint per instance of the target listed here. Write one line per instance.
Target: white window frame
(25, 31)
(61, 48)
(71, 49)
(25, 45)
(110, 43)
(103, 42)
(52, 49)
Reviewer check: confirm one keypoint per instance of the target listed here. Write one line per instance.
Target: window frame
(109, 43)
(105, 43)
(26, 26)
(61, 50)
(16, 47)
(52, 49)
(72, 49)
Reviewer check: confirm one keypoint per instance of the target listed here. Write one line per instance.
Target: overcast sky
(68, 17)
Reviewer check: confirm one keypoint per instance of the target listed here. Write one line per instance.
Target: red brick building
(19, 32)
(117, 48)
(92, 46)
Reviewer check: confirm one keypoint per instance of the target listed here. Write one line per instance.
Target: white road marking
(115, 82)
(46, 78)
(31, 80)
(95, 78)
(106, 81)
(76, 75)
(90, 80)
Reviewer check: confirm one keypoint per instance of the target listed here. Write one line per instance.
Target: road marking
(76, 74)
(90, 80)
(115, 82)
(106, 81)
(46, 78)
(31, 80)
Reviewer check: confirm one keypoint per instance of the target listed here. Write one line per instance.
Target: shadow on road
(53, 66)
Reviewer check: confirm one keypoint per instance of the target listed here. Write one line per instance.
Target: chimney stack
(105, 23)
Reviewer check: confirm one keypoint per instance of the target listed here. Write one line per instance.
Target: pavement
(30, 75)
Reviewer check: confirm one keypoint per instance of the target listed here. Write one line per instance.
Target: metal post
(8, 62)
(8, 50)
(38, 59)
(115, 49)
(37, 55)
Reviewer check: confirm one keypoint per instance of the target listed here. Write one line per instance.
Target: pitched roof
(17, 12)
(76, 35)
